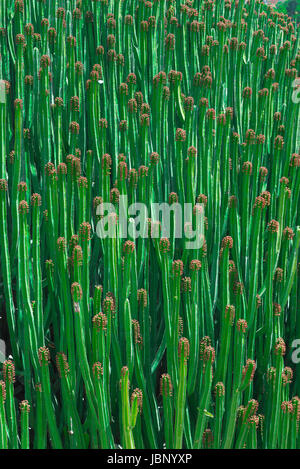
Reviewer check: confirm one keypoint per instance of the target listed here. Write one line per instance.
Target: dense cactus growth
(143, 342)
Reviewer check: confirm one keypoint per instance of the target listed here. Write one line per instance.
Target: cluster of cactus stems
(144, 343)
